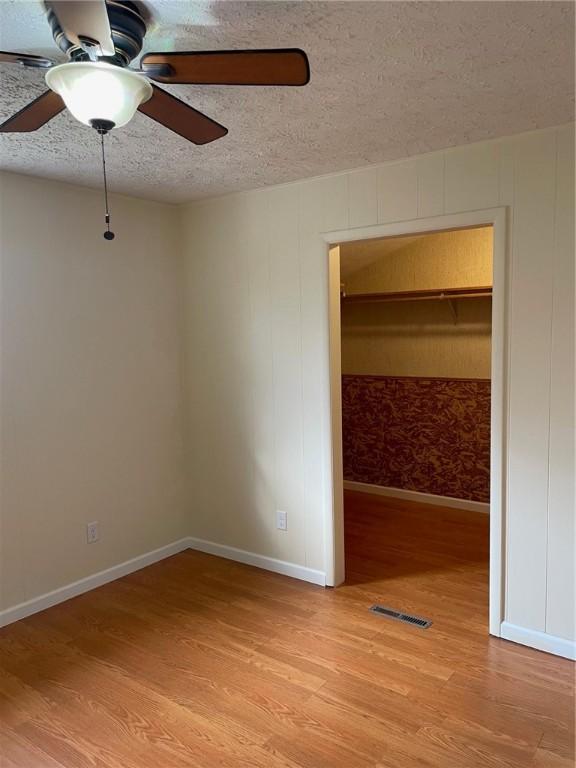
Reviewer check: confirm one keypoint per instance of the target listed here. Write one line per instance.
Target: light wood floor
(198, 661)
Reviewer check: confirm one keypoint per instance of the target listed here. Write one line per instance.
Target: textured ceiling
(389, 80)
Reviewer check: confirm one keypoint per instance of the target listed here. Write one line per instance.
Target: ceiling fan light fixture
(97, 92)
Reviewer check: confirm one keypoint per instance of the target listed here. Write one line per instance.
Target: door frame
(334, 519)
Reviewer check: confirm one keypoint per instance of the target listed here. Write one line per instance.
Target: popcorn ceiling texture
(389, 80)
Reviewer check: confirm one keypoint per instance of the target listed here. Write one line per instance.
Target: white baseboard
(37, 604)
(259, 561)
(49, 599)
(532, 638)
(424, 498)
(559, 646)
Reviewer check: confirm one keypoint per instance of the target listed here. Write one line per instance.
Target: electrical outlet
(92, 532)
(282, 520)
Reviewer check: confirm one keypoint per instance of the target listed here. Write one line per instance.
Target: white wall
(92, 424)
(257, 336)
(94, 417)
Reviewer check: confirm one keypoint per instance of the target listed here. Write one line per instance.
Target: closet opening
(414, 394)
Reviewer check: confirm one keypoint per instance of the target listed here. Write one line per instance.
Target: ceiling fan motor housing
(128, 29)
(102, 126)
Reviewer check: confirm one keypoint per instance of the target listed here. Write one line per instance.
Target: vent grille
(417, 621)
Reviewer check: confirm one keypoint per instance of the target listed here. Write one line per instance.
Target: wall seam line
(347, 201)
(273, 355)
(252, 323)
(551, 338)
(508, 298)
(301, 359)
(444, 182)
(418, 186)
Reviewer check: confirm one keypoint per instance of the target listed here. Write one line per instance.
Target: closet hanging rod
(429, 294)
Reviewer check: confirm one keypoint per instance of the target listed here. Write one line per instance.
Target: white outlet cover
(92, 532)
(282, 520)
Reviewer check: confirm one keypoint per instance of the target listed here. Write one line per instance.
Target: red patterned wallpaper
(429, 435)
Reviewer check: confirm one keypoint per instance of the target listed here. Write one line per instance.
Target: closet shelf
(436, 294)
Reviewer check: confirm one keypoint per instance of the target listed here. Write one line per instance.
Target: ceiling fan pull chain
(108, 235)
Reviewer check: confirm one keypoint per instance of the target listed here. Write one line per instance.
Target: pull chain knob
(103, 126)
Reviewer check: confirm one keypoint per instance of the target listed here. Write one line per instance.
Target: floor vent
(417, 621)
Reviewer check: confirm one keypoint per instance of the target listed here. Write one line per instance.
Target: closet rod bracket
(453, 309)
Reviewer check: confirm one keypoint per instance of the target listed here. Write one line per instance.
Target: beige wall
(258, 373)
(417, 339)
(92, 424)
(92, 419)
(459, 259)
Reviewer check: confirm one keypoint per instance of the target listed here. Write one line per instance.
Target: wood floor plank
(206, 663)
(17, 752)
(546, 759)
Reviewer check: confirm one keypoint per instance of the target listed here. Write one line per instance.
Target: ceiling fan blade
(35, 114)
(85, 23)
(7, 57)
(282, 66)
(182, 119)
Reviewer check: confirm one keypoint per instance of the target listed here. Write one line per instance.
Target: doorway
(422, 411)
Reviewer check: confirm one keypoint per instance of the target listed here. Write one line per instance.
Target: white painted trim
(60, 595)
(496, 217)
(334, 524)
(423, 498)
(499, 408)
(259, 561)
(486, 216)
(559, 646)
(37, 604)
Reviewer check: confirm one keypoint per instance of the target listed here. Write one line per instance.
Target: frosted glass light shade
(99, 91)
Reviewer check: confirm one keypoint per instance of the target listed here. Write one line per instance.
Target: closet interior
(416, 350)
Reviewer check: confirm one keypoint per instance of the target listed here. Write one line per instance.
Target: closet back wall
(417, 339)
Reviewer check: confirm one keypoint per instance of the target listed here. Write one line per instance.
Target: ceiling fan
(102, 37)
(100, 89)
